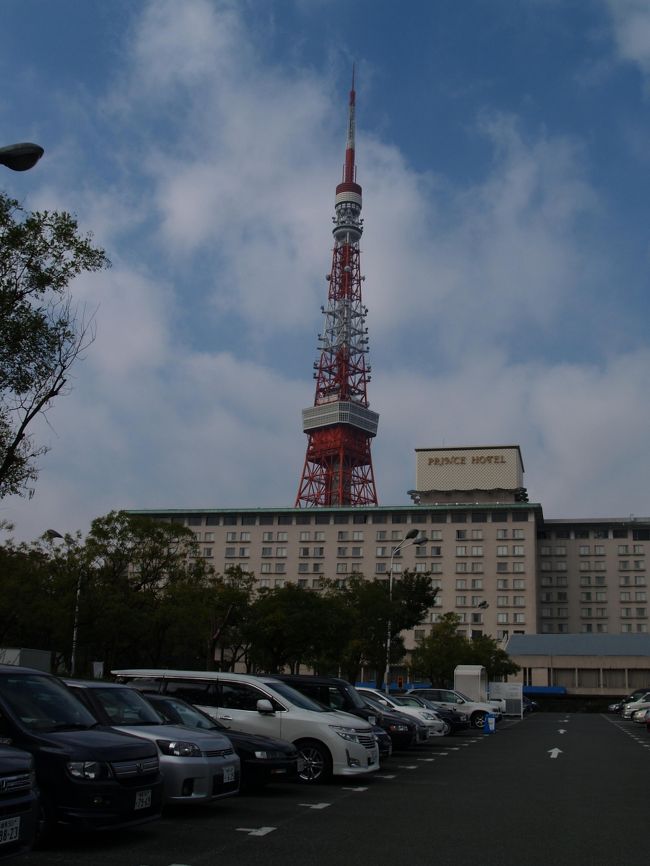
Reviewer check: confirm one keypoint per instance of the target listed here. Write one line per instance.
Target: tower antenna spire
(340, 426)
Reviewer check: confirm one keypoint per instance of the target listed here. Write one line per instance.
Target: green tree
(486, 651)
(41, 331)
(437, 655)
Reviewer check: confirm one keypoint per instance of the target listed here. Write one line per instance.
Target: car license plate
(228, 774)
(9, 830)
(143, 799)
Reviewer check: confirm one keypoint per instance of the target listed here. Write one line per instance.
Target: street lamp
(20, 157)
(413, 536)
(51, 534)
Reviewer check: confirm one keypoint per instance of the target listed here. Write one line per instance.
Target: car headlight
(88, 770)
(347, 733)
(398, 728)
(268, 755)
(430, 717)
(179, 748)
(371, 720)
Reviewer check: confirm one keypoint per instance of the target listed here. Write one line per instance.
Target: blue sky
(503, 151)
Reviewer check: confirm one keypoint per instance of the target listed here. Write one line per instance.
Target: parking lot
(546, 789)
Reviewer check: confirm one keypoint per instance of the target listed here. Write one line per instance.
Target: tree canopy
(41, 332)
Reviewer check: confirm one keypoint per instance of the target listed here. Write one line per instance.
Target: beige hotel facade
(498, 562)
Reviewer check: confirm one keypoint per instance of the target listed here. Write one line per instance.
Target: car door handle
(227, 718)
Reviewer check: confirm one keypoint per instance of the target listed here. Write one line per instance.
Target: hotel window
(357, 535)
(638, 548)
(547, 566)
(519, 566)
(380, 568)
(625, 596)
(503, 601)
(584, 549)
(477, 535)
(502, 549)
(560, 551)
(502, 583)
(381, 551)
(265, 568)
(519, 618)
(397, 567)
(420, 567)
(263, 582)
(357, 551)
(303, 567)
(461, 601)
(282, 536)
(502, 567)
(518, 533)
(461, 583)
(381, 535)
(461, 567)
(243, 552)
(436, 551)
(641, 596)
(601, 596)
(546, 596)
(560, 581)
(436, 535)
(599, 565)
(622, 549)
(461, 550)
(244, 536)
(341, 567)
(280, 551)
(641, 611)
(477, 567)
(502, 533)
(585, 596)
(304, 551)
(519, 601)
(562, 611)
(601, 611)
(319, 551)
(231, 536)
(599, 550)
(477, 550)
(518, 583)
(421, 550)
(303, 583)
(560, 566)
(477, 583)
(230, 551)
(279, 568)
(316, 567)
(502, 618)
(319, 535)
(626, 611)
(639, 580)
(518, 550)
(304, 536)
(436, 567)
(341, 551)
(396, 535)
(639, 564)
(461, 534)
(207, 552)
(342, 535)
(209, 536)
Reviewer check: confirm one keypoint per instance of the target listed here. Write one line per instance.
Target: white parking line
(259, 831)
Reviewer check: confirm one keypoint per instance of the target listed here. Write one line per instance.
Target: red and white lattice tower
(338, 466)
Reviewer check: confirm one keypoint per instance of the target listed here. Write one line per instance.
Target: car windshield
(125, 706)
(296, 698)
(42, 703)
(179, 712)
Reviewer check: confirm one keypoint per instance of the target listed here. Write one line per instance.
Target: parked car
(477, 711)
(453, 721)
(263, 759)
(88, 776)
(384, 742)
(18, 802)
(642, 702)
(640, 716)
(434, 724)
(404, 731)
(529, 705)
(617, 706)
(197, 766)
(331, 743)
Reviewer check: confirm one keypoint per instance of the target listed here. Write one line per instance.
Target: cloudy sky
(502, 146)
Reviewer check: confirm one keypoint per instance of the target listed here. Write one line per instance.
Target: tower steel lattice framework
(340, 426)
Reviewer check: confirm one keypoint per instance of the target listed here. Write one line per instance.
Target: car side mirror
(459, 701)
(265, 707)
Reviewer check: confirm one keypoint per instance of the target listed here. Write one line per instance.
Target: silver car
(196, 766)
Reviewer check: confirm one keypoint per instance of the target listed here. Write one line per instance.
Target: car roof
(168, 673)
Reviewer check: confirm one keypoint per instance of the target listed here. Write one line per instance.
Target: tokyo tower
(338, 465)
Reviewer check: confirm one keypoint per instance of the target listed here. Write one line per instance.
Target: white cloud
(631, 20)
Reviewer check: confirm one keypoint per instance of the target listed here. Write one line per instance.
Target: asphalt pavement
(547, 790)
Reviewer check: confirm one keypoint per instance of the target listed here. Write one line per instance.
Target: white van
(330, 742)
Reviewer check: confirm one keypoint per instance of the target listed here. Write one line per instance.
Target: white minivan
(330, 742)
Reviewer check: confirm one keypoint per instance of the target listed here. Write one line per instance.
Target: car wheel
(479, 720)
(317, 762)
(447, 729)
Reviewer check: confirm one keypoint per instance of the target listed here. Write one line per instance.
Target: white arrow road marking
(315, 805)
(260, 831)
(561, 731)
(407, 767)
(354, 789)
(555, 752)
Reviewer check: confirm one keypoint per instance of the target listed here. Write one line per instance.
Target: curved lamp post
(20, 157)
(413, 536)
(51, 534)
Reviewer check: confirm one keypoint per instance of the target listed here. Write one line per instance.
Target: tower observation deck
(340, 425)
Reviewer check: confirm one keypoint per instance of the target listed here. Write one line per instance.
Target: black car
(89, 777)
(263, 759)
(384, 742)
(403, 730)
(337, 694)
(18, 802)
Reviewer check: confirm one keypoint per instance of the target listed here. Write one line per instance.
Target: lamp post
(51, 534)
(21, 157)
(413, 536)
